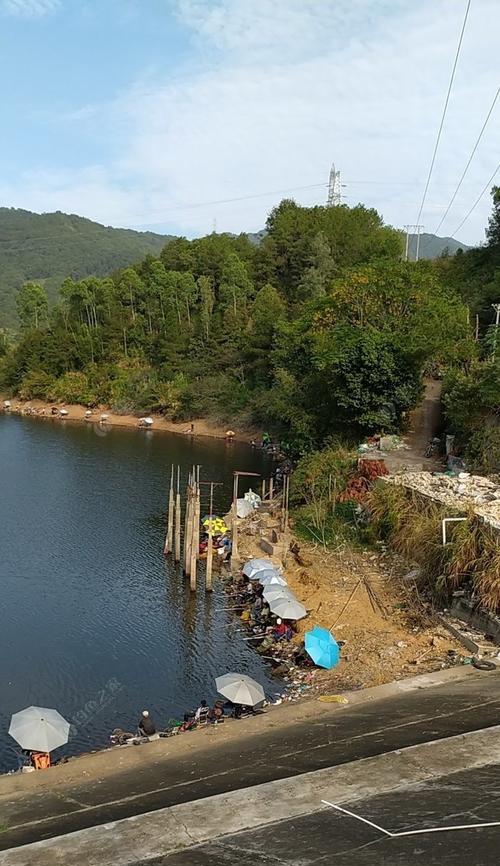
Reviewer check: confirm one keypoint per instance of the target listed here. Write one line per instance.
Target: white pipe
(449, 520)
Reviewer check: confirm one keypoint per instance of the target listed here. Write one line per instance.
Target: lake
(94, 620)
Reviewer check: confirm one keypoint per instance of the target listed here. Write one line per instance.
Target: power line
(444, 111)
(474, 206)
(468, 163)
(240, 198)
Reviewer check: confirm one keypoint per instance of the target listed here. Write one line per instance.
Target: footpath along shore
(76, 412)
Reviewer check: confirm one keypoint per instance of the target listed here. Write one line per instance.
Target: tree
(235, 289)
(357, 356)
(207, 301)
(493, 230)
(317, 278)
(32, 306)
(266, 312)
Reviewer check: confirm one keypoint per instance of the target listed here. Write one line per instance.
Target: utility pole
(419, 230)
(496, 307)
(412, 230)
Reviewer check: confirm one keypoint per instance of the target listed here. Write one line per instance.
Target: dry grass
(411, 524)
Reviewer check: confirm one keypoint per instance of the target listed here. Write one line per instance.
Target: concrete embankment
(288, 741)
(147, 837)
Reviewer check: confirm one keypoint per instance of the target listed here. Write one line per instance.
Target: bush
(315, 486)
(322, 474)
(37, 386)
(74, 388)
(483, 450)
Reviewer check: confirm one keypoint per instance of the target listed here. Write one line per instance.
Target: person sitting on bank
(265, 613)
(201, 714)
(146, 725)
(216, 713)
(40, 760)
(280, 630)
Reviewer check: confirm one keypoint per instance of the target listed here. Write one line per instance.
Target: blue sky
(152, 113)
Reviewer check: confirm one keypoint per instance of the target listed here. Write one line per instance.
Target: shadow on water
(94, 620)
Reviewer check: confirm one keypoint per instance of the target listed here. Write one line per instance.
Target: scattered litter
(333, 699)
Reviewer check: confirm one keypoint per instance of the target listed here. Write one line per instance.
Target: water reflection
(87, 597)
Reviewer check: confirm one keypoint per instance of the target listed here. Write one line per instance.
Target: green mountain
(48, 247)
(432, 247)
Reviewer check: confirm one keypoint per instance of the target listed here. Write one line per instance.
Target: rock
(412, 576)
(401, 644)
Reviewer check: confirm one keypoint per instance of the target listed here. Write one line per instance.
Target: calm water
(93, 620)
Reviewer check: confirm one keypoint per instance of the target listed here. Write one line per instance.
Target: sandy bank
(76, 412)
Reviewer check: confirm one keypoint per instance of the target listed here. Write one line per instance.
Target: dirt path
(424, 424)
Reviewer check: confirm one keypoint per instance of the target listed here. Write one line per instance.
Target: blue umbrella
(322, 647)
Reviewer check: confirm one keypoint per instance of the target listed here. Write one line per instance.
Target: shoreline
(101, 764)
(76, 412)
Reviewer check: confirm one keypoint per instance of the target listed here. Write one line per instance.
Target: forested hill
(49, 247)
(319, 329)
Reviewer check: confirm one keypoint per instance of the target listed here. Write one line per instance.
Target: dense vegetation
(49, 247)
(318, 330)
(472, 391)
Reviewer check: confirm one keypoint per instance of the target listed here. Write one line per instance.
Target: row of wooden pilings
(189, 552)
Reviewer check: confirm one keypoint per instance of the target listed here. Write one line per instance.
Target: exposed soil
(76, 412)
(363, 598)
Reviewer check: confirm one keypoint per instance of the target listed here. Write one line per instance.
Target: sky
(182, 116)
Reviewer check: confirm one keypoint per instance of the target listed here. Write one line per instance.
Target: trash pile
(383, 444)
(460, 492)
(360, 483)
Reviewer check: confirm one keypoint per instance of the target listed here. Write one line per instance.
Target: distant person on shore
(146, 725)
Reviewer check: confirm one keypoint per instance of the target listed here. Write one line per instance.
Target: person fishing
(146, 726)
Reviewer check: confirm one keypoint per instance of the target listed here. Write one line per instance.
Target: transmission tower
(334, 188)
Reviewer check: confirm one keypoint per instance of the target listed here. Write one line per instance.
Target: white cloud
(29, 8)
(277, 90)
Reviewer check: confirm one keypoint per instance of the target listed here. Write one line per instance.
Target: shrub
(74, 388)
(37, 386)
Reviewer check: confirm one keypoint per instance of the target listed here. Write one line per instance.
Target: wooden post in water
(210, 551)
(271, 488)
(177, 539)
(188, 526)
(195, 523)
(197, 508)
(263, 489)
(170, 520)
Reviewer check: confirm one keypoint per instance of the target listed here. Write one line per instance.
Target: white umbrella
(288, 608)
(273, 579)
(264, 573)
(272, 592)
(254, 565)
(240, 689)
(39, 729)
